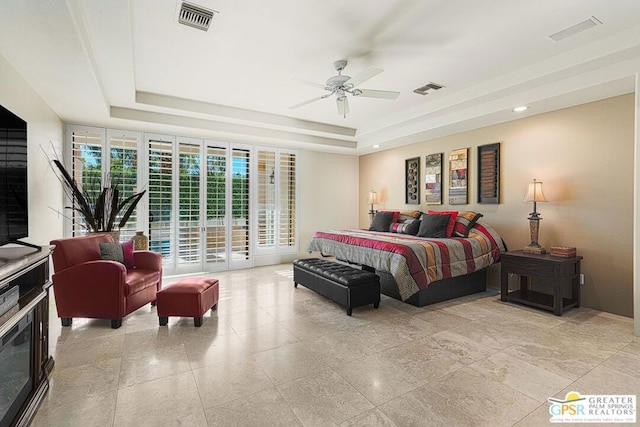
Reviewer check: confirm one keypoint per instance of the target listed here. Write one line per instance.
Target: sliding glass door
(199, 202)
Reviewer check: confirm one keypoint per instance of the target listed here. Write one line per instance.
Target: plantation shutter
(216, 224)
(240, 203)
(266, 209)
(276, 201)
(124, 165)
(160, 199)
(287, 200)
(189, 221)
(86, 169)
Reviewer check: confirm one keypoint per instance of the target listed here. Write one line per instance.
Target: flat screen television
(14, 206)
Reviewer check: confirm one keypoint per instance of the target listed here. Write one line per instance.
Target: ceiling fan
(342, 85)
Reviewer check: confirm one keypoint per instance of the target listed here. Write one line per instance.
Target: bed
(418, 270)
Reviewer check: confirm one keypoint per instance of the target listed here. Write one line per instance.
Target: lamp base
(539, 250)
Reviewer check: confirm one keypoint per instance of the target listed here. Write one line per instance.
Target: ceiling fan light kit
(341, 85)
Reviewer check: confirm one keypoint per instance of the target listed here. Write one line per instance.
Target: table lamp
(534, 194)
(372, 200)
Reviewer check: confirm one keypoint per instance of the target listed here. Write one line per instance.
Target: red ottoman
(188, 297)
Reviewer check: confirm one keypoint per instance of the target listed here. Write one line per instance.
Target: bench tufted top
(339, 273)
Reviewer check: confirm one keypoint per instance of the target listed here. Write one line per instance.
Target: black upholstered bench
(341, 283)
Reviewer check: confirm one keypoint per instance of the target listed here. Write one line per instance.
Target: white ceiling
(129, 64)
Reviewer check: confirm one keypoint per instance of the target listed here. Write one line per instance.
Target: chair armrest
(97, 272)
(147, 260)
(89, 288)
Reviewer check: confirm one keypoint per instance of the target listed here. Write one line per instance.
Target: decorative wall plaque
(412, 181)
(433, 179)
(489, 173)
(458, 177)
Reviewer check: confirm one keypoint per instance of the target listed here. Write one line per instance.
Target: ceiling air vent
(575, 29)
(426, 88)
(195, 16)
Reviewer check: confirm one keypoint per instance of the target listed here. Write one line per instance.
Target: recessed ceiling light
(376, 146)
(520, 109)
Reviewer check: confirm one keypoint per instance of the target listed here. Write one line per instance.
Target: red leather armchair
(84, 285)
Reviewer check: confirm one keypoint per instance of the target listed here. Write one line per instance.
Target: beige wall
(583, 155)
(43, 127)
(328, 192)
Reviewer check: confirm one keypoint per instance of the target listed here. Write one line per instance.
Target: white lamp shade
(534, 192)
(373, 198)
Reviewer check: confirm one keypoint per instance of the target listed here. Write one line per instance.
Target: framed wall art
(489, 173)
(412, 181)
(433, 179)
(458, 168)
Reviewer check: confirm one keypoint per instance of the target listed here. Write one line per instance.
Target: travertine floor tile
(528, 379)
(633, 347)
(378, 379)
(275, 355)
(290, 362)
(227, 381)
(215, 349)
(90, 411)
(73, 383)
(89, 351)
(489, 402)
(164, 362)
(266, 337)
(424, 362)
(264, 408)
(374, 417)
(171, 400)
(323, 399)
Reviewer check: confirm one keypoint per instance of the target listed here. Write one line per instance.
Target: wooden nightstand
(559, 270)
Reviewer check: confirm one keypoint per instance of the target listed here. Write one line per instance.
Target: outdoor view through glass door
(198, 206)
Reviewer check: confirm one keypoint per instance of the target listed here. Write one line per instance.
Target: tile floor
(272, 355)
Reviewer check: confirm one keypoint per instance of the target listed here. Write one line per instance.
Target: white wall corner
(636, 213)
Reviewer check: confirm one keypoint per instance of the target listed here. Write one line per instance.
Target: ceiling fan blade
(309, 101)
(363, 76)
(382, 94)
(343, 105)
(308, 83)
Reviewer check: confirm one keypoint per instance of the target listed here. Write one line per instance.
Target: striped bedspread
(413, 261)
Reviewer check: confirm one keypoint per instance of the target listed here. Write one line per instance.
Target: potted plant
(98, 203)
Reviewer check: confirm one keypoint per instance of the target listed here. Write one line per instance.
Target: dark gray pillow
(410, 226)
(382, 221)
(433, 226)
(111, 252)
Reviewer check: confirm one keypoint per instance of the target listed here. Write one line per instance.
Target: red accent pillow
(127, 251)
(452, 219)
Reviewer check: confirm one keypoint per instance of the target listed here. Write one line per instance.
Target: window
(287, 206)
(266, 211)
(86, 156)
(240, 203)
(189, 218)
(160, 198)
(276, 201)
(208, 205)
(124, 169)
(216, 224)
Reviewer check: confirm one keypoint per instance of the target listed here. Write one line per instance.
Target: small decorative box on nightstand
(563, 251)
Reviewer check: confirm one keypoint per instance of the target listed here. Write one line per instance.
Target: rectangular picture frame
(458, 176)
(412, 181)
(433, 179)
(489, 173)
